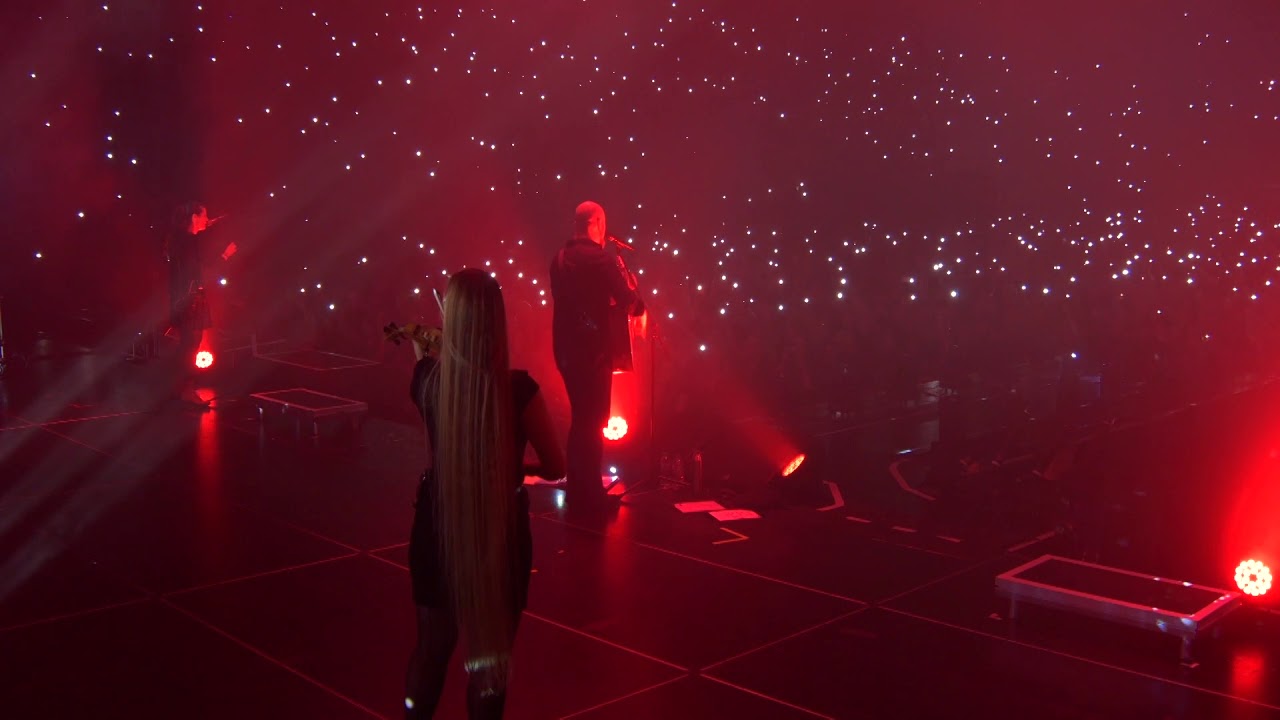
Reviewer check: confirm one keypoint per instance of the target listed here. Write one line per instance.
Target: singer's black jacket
(587, 283)
(186, 308)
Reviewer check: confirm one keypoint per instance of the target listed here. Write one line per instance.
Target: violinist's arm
(541, 431)
(426, 341)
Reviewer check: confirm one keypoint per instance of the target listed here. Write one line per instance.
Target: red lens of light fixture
(793, 466)
(616, 429)
(1253, 577)
(204, 359)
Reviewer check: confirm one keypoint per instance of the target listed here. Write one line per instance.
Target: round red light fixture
(1253, 577)
(204, 359)
(616, 429)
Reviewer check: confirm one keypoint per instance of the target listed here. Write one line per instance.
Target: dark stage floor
(170, 564)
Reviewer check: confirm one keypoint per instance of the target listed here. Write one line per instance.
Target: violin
(430, 338)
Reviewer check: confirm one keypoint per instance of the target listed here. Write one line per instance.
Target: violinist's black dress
(425, 566)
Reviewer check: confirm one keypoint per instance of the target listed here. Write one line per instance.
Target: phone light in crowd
(204, 359)
(793, 466)
(616, 429)
(1253, 578)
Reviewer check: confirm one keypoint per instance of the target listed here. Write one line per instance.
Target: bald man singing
(587, 285)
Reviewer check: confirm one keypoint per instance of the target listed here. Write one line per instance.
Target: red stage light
(793, 466)
(616, 429)
(204, 359)
(1253, 578)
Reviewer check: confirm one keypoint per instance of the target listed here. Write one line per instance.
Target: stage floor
(161, 562)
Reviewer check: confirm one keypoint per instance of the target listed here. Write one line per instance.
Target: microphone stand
(3, 363)
(655, 343)
(651, 459)
(655, 340)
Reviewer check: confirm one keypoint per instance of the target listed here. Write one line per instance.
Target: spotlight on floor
(795, 482)
(793, 465)
(1253, 577)
(800, 479)
(204, 359)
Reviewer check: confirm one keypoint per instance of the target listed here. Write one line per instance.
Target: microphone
(619, 242)
(216, 219)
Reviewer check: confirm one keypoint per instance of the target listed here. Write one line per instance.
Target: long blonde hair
(476, 467)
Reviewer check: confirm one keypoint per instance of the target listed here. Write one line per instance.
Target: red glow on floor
(616, 429)
(1248, 671)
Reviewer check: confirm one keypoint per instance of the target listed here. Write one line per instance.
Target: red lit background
(820, 217)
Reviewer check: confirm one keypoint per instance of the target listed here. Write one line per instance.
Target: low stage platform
(1172, 607)
(309, 411)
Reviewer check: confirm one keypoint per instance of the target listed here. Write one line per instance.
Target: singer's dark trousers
(179, 368)
(588, 384)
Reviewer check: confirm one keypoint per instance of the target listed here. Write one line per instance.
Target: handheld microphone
(619, 242)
